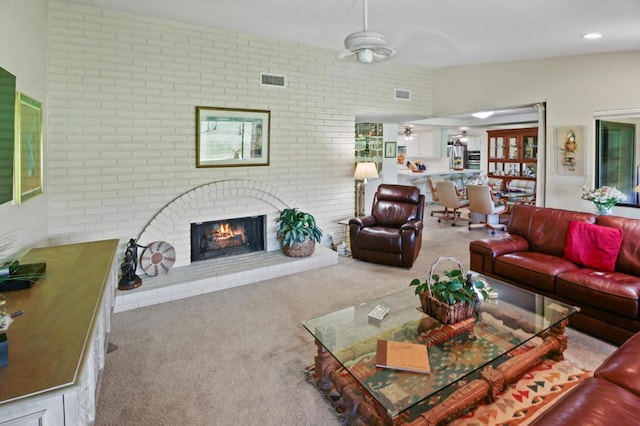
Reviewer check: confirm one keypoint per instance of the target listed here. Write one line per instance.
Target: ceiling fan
(368, 46)
(462, 137)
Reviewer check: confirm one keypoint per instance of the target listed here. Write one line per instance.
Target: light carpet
(237, 356)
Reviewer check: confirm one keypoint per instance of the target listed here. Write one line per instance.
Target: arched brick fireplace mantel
(214, 201)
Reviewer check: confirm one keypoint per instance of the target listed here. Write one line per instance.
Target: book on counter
(403, 356)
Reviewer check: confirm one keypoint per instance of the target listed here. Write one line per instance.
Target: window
(618, 153)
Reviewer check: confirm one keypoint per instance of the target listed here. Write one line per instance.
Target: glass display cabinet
(369, 143)
(513, 153)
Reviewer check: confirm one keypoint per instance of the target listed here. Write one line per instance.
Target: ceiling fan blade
(345, 54)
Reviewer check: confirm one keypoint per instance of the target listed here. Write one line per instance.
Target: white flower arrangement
(5, 321)
(5, 318)
(606, 196)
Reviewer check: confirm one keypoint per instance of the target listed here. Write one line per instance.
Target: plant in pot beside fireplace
(298, 232)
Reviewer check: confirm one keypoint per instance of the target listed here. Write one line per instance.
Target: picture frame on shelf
(390, 149)
(570, 150)
(28, 151)
(230, 137)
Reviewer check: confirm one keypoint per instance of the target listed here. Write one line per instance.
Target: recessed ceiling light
(591, 36)
(482, 114)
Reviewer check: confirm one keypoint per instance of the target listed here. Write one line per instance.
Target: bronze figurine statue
(129, 280)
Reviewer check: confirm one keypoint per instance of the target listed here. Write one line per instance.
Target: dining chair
(449, 198)
(482, 204)
(434, 195)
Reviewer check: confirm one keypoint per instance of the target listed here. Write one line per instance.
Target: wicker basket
(303, 249)
(443, 312)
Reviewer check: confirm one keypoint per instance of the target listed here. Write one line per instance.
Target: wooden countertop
(47, 344)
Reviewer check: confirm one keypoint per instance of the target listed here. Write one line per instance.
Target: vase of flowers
(604, 198)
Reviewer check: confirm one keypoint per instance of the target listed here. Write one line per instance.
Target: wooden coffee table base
(491, 383)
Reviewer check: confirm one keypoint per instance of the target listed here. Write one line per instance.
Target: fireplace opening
(227, 237)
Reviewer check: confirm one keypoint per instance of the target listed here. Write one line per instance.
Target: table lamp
(364, 171)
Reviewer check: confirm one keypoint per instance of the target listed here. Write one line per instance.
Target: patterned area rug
(519, 404)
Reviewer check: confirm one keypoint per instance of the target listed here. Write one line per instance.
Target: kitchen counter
(408, 172)
(419, 180)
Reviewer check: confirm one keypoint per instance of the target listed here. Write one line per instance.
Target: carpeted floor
(238, 356)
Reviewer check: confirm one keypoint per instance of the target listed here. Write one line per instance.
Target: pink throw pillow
(593, 246)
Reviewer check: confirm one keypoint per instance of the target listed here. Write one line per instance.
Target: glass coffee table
(470, 361)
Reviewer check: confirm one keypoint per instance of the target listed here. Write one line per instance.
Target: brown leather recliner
(392, 234)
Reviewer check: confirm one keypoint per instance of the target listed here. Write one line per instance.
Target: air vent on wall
(402, 94)
(272, 80)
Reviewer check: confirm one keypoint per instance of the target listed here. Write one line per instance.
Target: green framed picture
(390, 149)
(28, 151)
(228, 137)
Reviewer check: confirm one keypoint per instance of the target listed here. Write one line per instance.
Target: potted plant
(298, 232)
(450, 298)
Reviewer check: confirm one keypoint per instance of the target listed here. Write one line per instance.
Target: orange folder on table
(403, 356)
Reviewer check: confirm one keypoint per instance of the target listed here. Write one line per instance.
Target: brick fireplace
(217, 202)
(212, 202)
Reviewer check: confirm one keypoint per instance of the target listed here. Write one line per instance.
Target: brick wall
(122, 92)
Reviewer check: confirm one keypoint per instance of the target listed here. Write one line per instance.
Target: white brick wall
(122, 92)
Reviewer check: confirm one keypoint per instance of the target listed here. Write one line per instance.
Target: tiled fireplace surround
(215, 201)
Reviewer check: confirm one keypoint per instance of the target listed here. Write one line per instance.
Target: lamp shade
(366, 171)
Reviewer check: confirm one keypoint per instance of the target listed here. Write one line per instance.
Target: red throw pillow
(594, 246)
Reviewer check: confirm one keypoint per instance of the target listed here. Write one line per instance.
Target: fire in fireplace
(227, 237)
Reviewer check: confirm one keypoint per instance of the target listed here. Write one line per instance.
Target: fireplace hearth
(227, 237)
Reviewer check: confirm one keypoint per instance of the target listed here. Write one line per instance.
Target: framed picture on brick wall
(227, 137)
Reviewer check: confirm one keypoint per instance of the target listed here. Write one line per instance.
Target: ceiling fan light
(482, 114)
(408, 133)
(368, 46)
(365, 56)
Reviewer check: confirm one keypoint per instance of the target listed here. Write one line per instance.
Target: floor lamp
(363, 172)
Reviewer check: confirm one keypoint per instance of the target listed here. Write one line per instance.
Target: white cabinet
(45, 410)
(56, 383)
(474, 143)
(424, 145)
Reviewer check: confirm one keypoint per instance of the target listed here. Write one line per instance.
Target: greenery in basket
(452, 288)
(296, 226)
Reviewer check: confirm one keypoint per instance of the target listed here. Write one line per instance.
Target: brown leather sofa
(530, 255)
(610, 397)
(392, 234)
